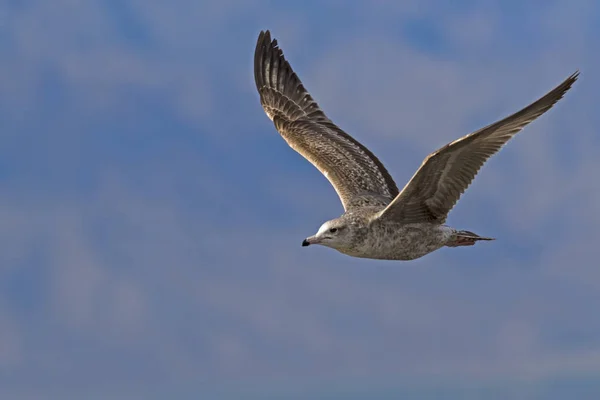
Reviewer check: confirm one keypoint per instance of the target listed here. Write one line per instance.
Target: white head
(335, 234)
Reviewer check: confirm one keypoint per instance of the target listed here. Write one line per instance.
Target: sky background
(151, 216)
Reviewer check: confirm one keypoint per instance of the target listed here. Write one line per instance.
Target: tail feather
(465, 238)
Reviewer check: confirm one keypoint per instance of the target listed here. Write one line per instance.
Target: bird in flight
(380, 221)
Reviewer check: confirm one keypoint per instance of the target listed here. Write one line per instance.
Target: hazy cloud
(152, 217)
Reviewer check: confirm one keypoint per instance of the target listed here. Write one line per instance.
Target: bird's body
(386, 239)
(391, 240)
(380, 221)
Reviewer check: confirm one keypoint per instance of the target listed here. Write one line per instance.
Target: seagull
(380, 221)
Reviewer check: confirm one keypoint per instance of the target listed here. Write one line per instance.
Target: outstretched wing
(352, 169)
(446, 173)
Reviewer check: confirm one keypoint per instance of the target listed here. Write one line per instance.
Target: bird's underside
(381, 221)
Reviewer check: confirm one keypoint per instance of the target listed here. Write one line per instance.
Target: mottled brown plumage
(350, 167)
(379, 221)
(446, 173)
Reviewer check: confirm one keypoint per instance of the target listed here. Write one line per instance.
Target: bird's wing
(349, 166)
(446, 173)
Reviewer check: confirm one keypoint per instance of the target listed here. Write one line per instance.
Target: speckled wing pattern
(357, 176)
(446, 173)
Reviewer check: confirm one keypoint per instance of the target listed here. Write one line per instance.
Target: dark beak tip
(305, 243)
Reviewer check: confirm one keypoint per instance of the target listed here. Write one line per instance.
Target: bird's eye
(333, 230)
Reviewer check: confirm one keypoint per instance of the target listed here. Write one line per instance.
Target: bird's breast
(395, 241)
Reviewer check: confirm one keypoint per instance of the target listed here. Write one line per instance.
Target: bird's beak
(309, 240)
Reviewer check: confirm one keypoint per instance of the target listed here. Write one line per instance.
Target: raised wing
(446, 173)
(355, 173)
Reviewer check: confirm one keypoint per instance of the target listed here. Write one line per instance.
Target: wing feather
(355, 173)
(446, 173)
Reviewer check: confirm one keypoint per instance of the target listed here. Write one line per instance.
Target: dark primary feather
(356, 174)
(446, 173)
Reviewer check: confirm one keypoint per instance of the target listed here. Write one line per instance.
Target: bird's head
(336, 234)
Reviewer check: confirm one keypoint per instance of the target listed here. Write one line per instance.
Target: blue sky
(151, 216)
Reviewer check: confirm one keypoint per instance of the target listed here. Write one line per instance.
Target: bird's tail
(465, 238)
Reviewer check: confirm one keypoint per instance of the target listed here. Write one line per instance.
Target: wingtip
(264, 37)
(568, 83)
(564, 87)
(263, 43)
(574, 76)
